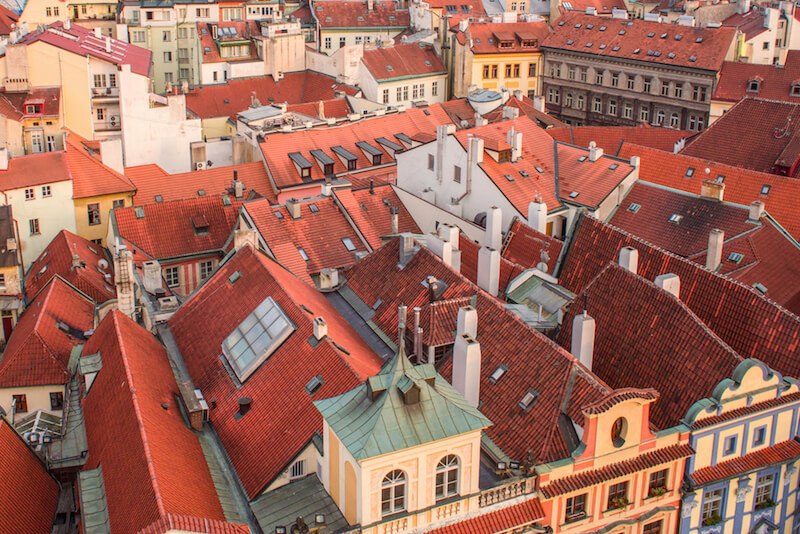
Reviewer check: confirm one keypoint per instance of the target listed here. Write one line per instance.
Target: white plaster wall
(246, 69)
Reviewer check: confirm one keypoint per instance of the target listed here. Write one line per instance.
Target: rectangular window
(422, 90)
(759, 436)
(764, 489)
(598, 78)
(112, 80)
(612, 107)
(93, 211)
(168, 78)
(664, 88)
(48, 11)
(434, 88)
(584, 74)
(631, 83)
(678, 93)
(627, 111)
(167, 57)
(494, 72)
(405, 92)
(342, 42)
(431, 161)
(597, 105)
(99, 80)
(575, 508)
(648, 85)
(457, 174)
(21, 403)
(29, 194)
(2, 281)
(33, 226)
(531, 70)
(166, 36)
(206, 267)
(617, 496)
(359, 39)
(57, 400)
(399, 94)
(515, 70)
(327, 43)
(553, 96)
(644, 114)
(658, 483)
(712, 507)
(615, 80)
(571, 73)
(137, 36)
(486, 71)
(653, 528)
(101, 114)
(385, 96)
(172, 276)
(415, 91)
(699, 94)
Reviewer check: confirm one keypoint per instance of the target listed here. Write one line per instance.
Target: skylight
(720, 178)
(348, 244)
(313, 208)
(574, 194)
(634, 207)
(139, 212)
(761, 288)
(256, 338)
(498, 374)
(582, 159)
(736, 257)
(765, 189)
(509, 177)
(302, 252)
(690, 172)
(528, 400)
(314, 384)
(538, 169)
(675, 218)
(613, 167)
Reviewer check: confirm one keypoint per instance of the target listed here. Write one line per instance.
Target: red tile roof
(369, 209)
(210, 46)
(486, 37)
(276, 147)
(754, 134)
(28, 494)
(90, 178)
(13, 104)
(751, 24)
(8, 20)
(183, 523)
(38, 350)
(503, 519)
(742, 186)
(35, 169)
(603, 7)
(526, 107)
(775, 82)
(144, 449)
(778, 453)
(611, 138)
(167, 230)
(151, 180)
(82, 41)
(228, 99)
(646, 338)
(622, 38)
(592, 477)
(745, 410)
(403, 61)
(523, 245)
(766, 331)
(336, 108)
(348, 14)
(57, 259)
(282, 418)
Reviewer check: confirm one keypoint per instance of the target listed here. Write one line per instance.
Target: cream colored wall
(718, 109)
(217, 127)
(312, 458)
(38, 398)
(35, 12)
(12, 281)
(350, 37)
(97, 231)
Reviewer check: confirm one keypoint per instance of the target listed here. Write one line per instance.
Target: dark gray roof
(8, 256)
(94, 510)
(304, 498)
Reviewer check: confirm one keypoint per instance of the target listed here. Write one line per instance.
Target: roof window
(675, 218)
(201, 192)
(615, 49)
(139, 212)
(582, 159)
(159, 199)
(761, 288)
(602, 28)
(698, 40)
(795, 90)
(279, 215)
(753, 86)
(689, 172)
(621, 32)
(234, 277)
(524, 174)
(720, 178)
(678, 37)
(671, 55)
(602, 46)
(528, 400)
(613, 167)
(637, 50)
(313, 208)
(589, 26)
(634, 207)
(508, 177)
(574, 194)
(570, 42)
(651, 34)
(256, 338)
(348, 244)
(303, 254)
(664, 35)
(538, 169)
(498, 373)
(692, 58)
(765, 189)
(589, 44)
(314, 384)
(226, 200)
(735, 257)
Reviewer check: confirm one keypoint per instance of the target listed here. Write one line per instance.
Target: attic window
(651, 34)
(279, 215)
(765, 189)
(200, 225)
(671, 55)
(226, 200)
(675, 218)
(735, 257)
(692, 58)
(570, 42)
(498, 374)
(602, 28)
(524, 174)
(314, 384)
(678, 37)
(621, 32)
(201, 192)
(589, 26)
(582, 159)
(303, 254)
(370, 151)
(574, 194)
(615, 49)
(506, 44)
(302, 164)
(753, 86)
(159, 199)
(530, 43)
(348, 244)
(602, 47)
(636, 51)
(346, 156)
(508, 177)
(528, 400)
(313, 208)
(664, 35)
(720, 178)
(689, 172)
(589, 44)
(139, 212)
(795, 91)
(538, 169)
(761, 288)
(698, 40)
(256, 338)
(634, 207)
(613, 167)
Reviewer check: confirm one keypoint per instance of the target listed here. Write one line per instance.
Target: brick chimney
(537, 215)
(756, 210)
(494, 227)
(152, 276)
(243, 237)
(595, 152)
(669, 282)
(629, 259)
(712, 189)
(716, 239)
(467, 368)
(489, 270)
(582, 347)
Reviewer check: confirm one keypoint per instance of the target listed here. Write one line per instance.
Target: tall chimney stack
(489, 270)
(467, 322)
(395, 213)
(716, 238)
(494, 228)
(629, 259)
(582, 347)
(467, 368)
(537, 215)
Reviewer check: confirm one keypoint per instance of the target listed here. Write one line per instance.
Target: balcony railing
(507, 491)
(105, 92)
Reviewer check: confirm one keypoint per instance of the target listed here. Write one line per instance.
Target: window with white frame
(597, 105)
(627, 111)
(674, 120)
(33, 226)
(434, 88)
(206, 267)
(644, 114)
(172, 276)
(447, 477)
(712, 507)
(30, 194)
(765, 485)
(393, 493)
(385, 96)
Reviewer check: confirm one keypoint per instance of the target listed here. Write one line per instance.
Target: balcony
(108, 125)
(105, 94)
(510, 490)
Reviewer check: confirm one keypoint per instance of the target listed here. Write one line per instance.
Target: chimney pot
(716, 240)
(293, 207)
(441, 248)
(467, 368)
(583, 330)
(669, 282)
(629, 259)
(449, 233)
(244, 405)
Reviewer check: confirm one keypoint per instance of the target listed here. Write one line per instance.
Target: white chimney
(669, 282)
(98, 32)
(467, 322)
(467, 368)
(514, 138)
(3, 159)
(123, 268)
(67, 24)
(510, 113)
(494, 227)
(716, 238)
(480, 121)
(152, 276)
(595, 152)
(636, 161)
(441, 248)
(629, 259)
(320, 328)
(582, 347)
(395, 214)
(538, 103)
(108, 45)
(489, 270)
(328, 278)
(245, 237)
(449, 233)
(442, 131)
(293, 207)
(111, 154)
(756, 208)
(537, 216)
(406, 248)
(475, 151)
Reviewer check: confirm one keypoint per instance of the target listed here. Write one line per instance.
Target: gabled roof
(349, 14)
(28, 494)
(135, 431)
(611, 138)
(59, 259)
(38, 350)
(751, 23)
(526, 107)
(241, 32)
(603, 7)
(640, 40)
(228, 99)
(8, 20)
(516, 36)
(741, 316)
(282, 419)
(379, 417)
(12, 105)
(81, 41)
(754, 134)
(90, 178)
(35, 169)
(524, 246)
(167, 230)
(775, 82)
(403, 61)
(647, 338)
(742, 186)
(331, 108)
(469, 264)
(151, 181)
(370, 210)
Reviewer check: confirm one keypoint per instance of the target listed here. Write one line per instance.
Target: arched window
(447, 477)
(660, 118)
(393, 493)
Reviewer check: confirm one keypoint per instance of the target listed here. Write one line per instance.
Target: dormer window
(753, 86)
(346, 156)
(32, 109)
(505, 44)
(302, 165)
(530, 43)
(795, 89)
(324, 160)
(370, 152)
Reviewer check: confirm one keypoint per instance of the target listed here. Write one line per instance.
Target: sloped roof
(369, 209)
(282, 419)
(742, 186)
(90, 178)
(500, 520)
(603, 7)
(751, 324)
(751, 24)
(8, 19)
(349, 14)
(735, 467)
(166, 230)
(524, 246)
(611, 138)
(775, 82)
(374, 419)
(38, 350)
(28, 494)
(210, 47)
(151, 180)
(469, 264)
(696, 48)
(35, 169)
(403, 61)
(485, 37)
(183, 523)
(57, 259)
(336, 108)
(12, 104)
(145, 449)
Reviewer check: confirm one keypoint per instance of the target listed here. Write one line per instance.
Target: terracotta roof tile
(523, 245)
(469, 264)
(57, 259)
(370, 209)
(500, 520)
(778, 453)
(745, 410)
(603, 7)
(348, 14)
(28, 494)
(184, 523)
(144, 449)
(751, 24)
(8, 20)
(611, 138)
(526, 107)
(697, 47)
(775, 81)
(210, 46)
(403, 61)
(517, 37)
(282, 418)
(35, 169)
(38, 350)
(90, 178)
(13, 104)
(336, 108)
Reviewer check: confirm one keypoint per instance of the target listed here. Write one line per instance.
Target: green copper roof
(402, 406)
